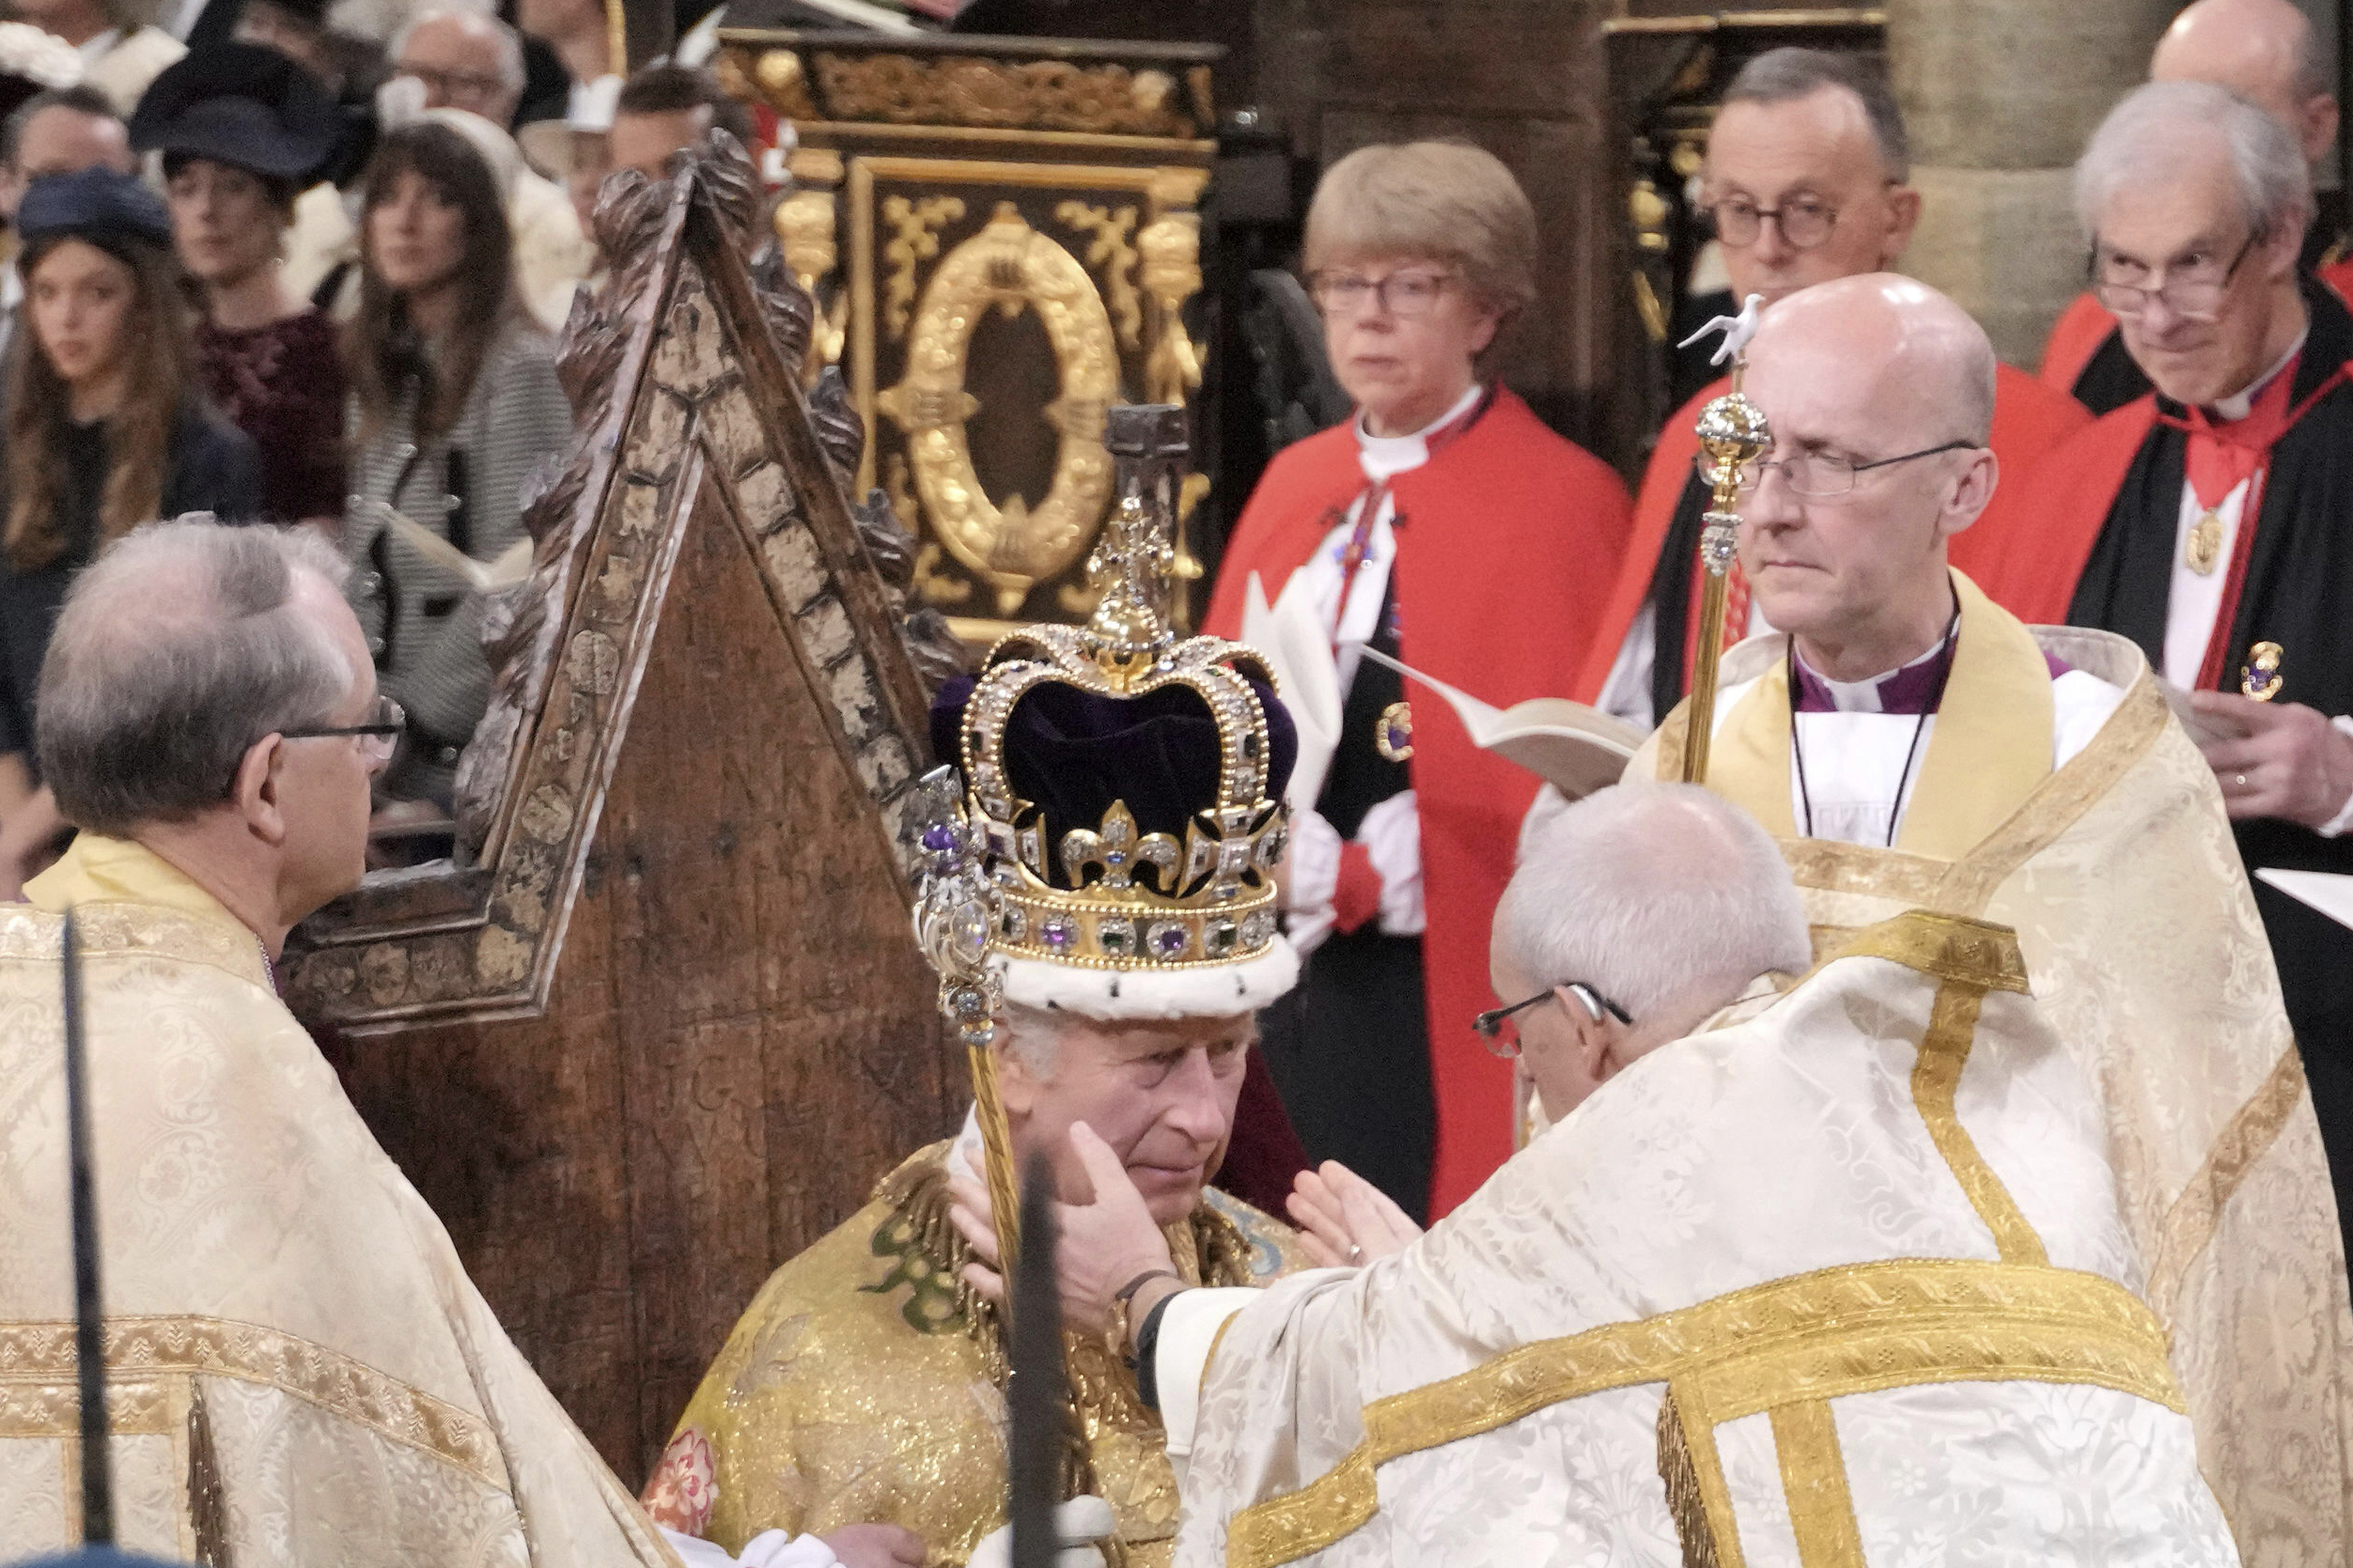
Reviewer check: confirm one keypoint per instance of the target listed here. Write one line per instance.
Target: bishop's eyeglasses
(1820, 475)
(386, 722)
(1502, 1035)
(2192, 286)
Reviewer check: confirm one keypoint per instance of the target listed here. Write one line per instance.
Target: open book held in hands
(1574, 748)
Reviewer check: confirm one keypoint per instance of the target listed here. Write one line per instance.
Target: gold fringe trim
(1821, 1336)
(1681, 1479)
(208, 1504)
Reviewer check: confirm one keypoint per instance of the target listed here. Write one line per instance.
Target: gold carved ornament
(1170, 247)
(804, 225)
(1112, 253)
(1043, 95)
(1012, 266)
(915, 240)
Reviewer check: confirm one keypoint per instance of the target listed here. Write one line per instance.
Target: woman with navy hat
(242, 130)
(106, 429)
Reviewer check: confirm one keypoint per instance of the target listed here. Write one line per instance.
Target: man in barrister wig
(1914, 745)
(1131, 787)
(1834, 1276)
(1806, 180)
(301, 1372)
(1405, 531)
(2269, 54)
(2209, 520)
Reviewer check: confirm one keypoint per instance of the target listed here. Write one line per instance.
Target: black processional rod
(1041, 1418)
(97, 1499)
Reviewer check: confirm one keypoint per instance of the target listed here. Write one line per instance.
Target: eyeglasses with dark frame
(1407, 294)
(387, 722)
(1818, 475)
(1490, 1024)
(1805, 224)
(2195, 296)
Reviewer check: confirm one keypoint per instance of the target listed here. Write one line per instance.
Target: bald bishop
(1914, 745)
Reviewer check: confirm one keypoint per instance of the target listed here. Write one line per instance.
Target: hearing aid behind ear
(1584, 993)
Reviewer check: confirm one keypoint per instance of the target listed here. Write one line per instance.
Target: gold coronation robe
(865, 1383)
(2119, 874)
(300, 1373)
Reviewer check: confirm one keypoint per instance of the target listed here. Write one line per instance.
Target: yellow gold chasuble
(2141, 938)
(865, 1383)
(299, 1371)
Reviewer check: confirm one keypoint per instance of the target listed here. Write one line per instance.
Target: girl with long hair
(454, 401)
(105, 430)
(241, 129)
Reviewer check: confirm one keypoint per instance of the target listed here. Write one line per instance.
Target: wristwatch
(1116, 1335)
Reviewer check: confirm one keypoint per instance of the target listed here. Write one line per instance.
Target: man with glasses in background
(2211, 522)
(2269, 54)
(1806, 182)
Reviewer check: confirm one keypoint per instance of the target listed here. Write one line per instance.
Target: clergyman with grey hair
(1801, 1231)
(2233, 575)
(210, 721)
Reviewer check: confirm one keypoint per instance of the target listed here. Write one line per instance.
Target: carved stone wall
(664, 1022)
(2000, 99)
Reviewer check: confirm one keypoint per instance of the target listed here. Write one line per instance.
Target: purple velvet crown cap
(1074, 753)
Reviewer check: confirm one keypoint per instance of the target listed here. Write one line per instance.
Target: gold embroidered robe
(1838, 1279)
(2120, 876)
(865, 1383)
(302, 1375)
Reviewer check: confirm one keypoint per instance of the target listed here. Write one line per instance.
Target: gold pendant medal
(2260, 678)
(1393, 738)
(2204, 549)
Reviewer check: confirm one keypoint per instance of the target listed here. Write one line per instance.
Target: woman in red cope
(1445, 526)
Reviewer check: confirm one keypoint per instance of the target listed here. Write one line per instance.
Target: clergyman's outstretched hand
(1345, 1222)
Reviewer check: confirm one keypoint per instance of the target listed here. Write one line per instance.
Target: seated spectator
(454, 401)
(105, 430)
(465, 60)
(120, 55)
(662, 110)
(240, 129)
(52, 133)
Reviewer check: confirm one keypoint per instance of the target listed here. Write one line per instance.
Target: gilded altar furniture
(663, 1020)
(1004, 237)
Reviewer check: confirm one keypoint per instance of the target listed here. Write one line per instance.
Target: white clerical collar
(1385, 457)
(2239, 404)
(1869, 694)
(99, 45)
